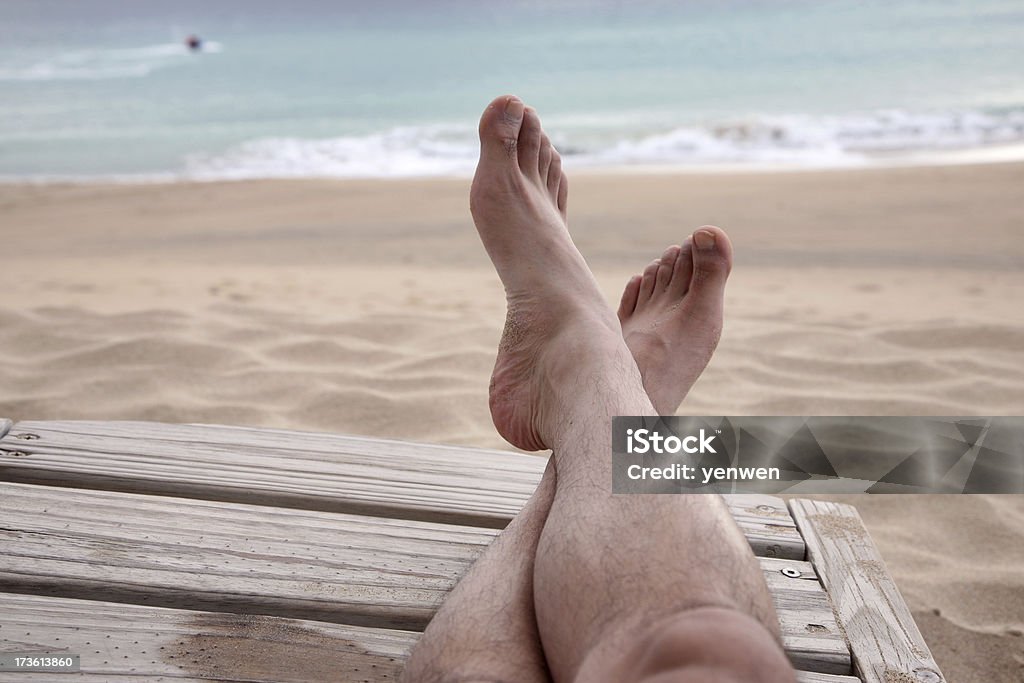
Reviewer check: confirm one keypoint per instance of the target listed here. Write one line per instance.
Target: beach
(369, 307)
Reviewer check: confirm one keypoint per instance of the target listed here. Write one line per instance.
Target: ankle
(581, 382)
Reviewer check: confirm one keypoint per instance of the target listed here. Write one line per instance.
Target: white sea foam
(102, 64)
(767, 143)
(400, 152)
(770, 142)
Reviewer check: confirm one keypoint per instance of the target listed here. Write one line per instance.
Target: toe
(562, 200)
(683, 271)
(529, 143)
(554, 174)
(712, 255)
(647, 282)
(628, 303)
(712, 262)
(500, 125)
(544, 162)
(668, 264)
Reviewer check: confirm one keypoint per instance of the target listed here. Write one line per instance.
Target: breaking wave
(797, 141)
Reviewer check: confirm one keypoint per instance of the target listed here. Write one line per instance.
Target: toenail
(704, 239)
(514, 108)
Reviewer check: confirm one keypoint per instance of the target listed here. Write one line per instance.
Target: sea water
(107, 89)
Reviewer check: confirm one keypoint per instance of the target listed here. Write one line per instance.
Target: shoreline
(900, 160)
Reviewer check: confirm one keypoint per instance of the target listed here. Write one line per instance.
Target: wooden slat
(337, 567)
(229, 557)
(5, 426)
(134, 643)
(885, 642)
(279, 468)
(131, 643)
(314, 471)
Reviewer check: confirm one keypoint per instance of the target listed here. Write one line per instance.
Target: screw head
(927, 676)
(791, 573)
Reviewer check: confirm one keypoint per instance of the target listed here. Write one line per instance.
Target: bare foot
(671, 315)
(558, 325)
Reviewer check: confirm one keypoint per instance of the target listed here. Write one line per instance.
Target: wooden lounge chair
(193, 552)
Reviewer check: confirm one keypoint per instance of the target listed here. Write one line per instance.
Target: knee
(711, 644)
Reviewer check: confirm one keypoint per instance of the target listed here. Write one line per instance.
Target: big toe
(712, 263)
(499, 129)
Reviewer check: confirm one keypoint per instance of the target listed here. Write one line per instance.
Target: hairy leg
(607, 567)
(615, 575)
(486, 629)
(562, 372)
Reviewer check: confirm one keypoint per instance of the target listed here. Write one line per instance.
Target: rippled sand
(369, 308)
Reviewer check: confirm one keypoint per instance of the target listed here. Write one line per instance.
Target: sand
(370, 308)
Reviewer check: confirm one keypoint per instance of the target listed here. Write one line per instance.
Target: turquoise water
(103, 88)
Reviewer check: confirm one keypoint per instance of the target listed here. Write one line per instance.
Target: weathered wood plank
(336, 567)
(885, 642)
(229, 557)
(315, 471)
(135, 643)
(131, 643)
(5, 426)
(279, 468)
